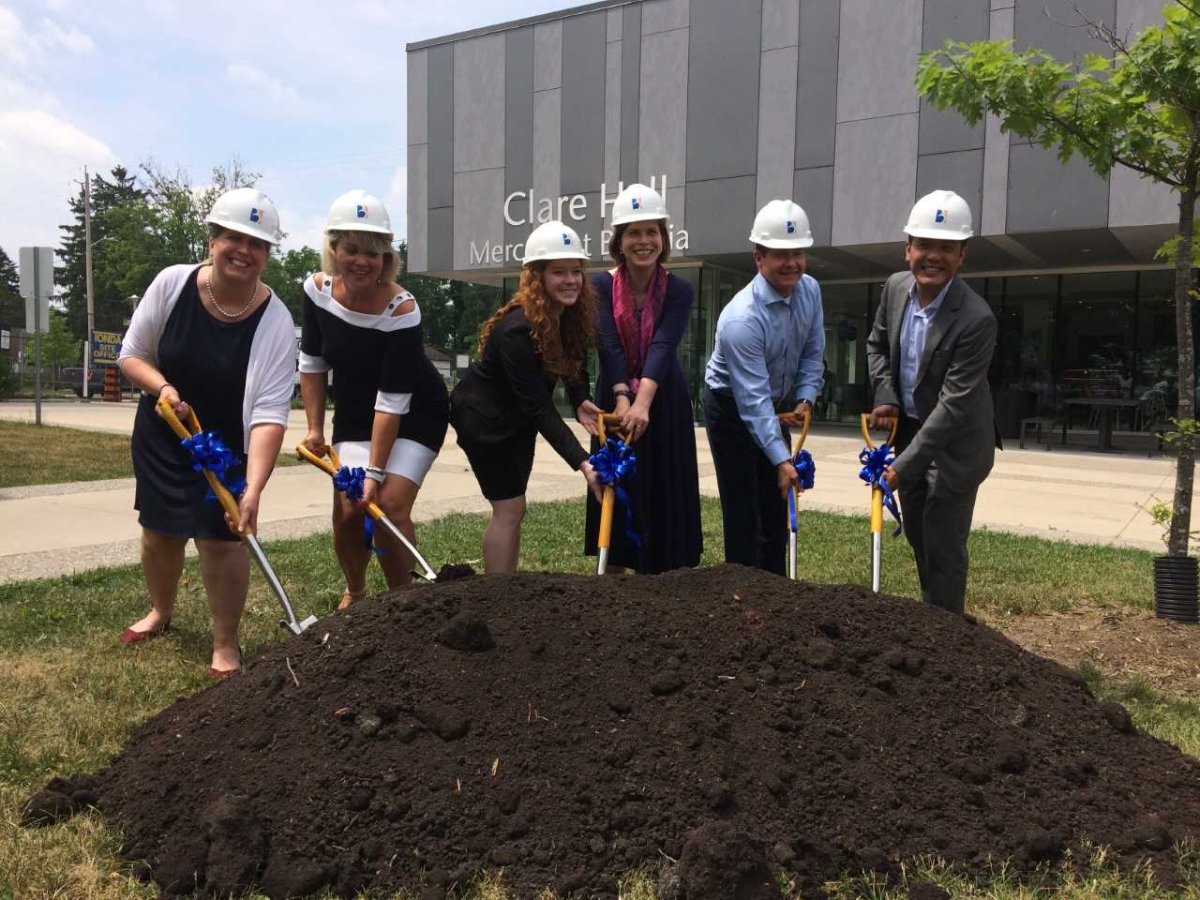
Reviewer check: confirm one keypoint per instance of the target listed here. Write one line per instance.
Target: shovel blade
(298, 627)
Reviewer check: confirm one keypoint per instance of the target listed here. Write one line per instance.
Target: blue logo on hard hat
(637, 204)
(566, 239)
(255, 216)
(940, 216)
(360, 211)
(791, 227)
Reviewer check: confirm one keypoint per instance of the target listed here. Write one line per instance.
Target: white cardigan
(272, 366)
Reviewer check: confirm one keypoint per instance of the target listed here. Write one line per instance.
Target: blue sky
(311, 94)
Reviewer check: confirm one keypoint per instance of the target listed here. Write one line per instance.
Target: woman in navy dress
(390, 405)
(642, 313)
(214, 338)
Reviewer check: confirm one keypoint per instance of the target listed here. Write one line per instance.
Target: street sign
(37, 284)
(106, 345)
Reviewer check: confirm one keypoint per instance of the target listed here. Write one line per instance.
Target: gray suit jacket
(953, 400)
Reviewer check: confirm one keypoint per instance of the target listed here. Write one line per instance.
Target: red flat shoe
(222, 674)
(129, 636)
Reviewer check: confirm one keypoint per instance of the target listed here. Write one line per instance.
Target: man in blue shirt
(928, 353)
(769, 358)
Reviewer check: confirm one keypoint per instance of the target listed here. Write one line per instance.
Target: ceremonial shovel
(877, 505)
(331, 466)
(233, 514)
(794, 511)
(607, 501)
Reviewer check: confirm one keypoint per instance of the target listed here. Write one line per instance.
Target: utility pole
(87, 265)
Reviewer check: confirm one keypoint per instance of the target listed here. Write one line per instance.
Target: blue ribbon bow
(615, 462)
(806, 469)
(210, 453)
(874, 461)
(351, 483)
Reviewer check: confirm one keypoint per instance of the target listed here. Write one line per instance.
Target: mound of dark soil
(569, 729)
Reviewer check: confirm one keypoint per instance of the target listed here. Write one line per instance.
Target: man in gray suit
(928, 354)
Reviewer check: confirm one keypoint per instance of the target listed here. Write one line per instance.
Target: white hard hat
(638, 203)
(358, 211)
(782, 225)
(941, 215)
(553, 240)
(248, 211)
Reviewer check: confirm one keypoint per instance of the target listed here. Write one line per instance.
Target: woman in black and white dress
(390, 405)
(217, 337)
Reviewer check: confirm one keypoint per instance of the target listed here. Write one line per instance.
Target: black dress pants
(937, 521)
(753, 514)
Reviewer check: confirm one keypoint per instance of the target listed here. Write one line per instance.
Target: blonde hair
(372, 242)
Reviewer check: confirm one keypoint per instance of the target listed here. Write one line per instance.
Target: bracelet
(627, 394)
(375, 473)
(162, 387)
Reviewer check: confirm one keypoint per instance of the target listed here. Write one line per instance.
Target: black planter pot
(1175, 588)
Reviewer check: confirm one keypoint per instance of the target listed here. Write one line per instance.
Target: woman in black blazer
(506, 397)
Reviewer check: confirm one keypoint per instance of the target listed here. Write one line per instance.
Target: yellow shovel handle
(331, 466)
(228, 503)
(893, 424)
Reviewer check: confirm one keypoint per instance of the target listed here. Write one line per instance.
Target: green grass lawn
(48, 454)
(70, 696)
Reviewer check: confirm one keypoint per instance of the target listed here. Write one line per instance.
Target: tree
(182, 207)
(123, 250)
(1139, 107)
(451, 311)
(59, 347)
(285, 273)
(12, 307)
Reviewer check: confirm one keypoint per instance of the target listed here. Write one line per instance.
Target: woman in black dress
(642, 313)
(506, 397)
(390, 406)
(217, 337)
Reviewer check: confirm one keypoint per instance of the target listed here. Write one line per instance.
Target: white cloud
(13, 39)
(302, 229)
(265, 91)
(53, 35)
(41, 155)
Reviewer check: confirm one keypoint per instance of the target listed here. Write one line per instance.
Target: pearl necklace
(229, 315)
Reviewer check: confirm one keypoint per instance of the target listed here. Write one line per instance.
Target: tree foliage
(285, 273)
(12, 307)
(1137, 105)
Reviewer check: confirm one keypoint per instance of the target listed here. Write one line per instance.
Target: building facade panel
(612, 111)
(813, 190)
(418, 207)
(547, 56)
(874, 178)
(584, 48)
(440, 254)
(720, 213)
(518, 115)
(961, 172)
(418, 97)
(662, 126)
(441, 126)
(479, 103)
(945, 131)
(723, 90)
(631, 97)
(615, 24)
(478, 218)
(547, 142)
(877, 63)
(780, 24)
(994, 215)
(664, 15)
(817, 83)
(1044, 194)
(776, 123)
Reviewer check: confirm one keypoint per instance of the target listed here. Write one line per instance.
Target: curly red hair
(563, 342)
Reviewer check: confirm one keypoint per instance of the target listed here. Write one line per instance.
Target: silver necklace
(229, 315)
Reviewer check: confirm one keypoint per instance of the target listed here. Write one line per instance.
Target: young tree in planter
(1139, 107)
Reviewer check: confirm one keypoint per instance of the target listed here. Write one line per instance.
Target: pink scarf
(636, 334)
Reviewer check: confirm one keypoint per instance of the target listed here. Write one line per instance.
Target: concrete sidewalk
(54, 530)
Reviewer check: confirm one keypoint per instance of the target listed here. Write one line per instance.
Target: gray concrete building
(726, 104)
